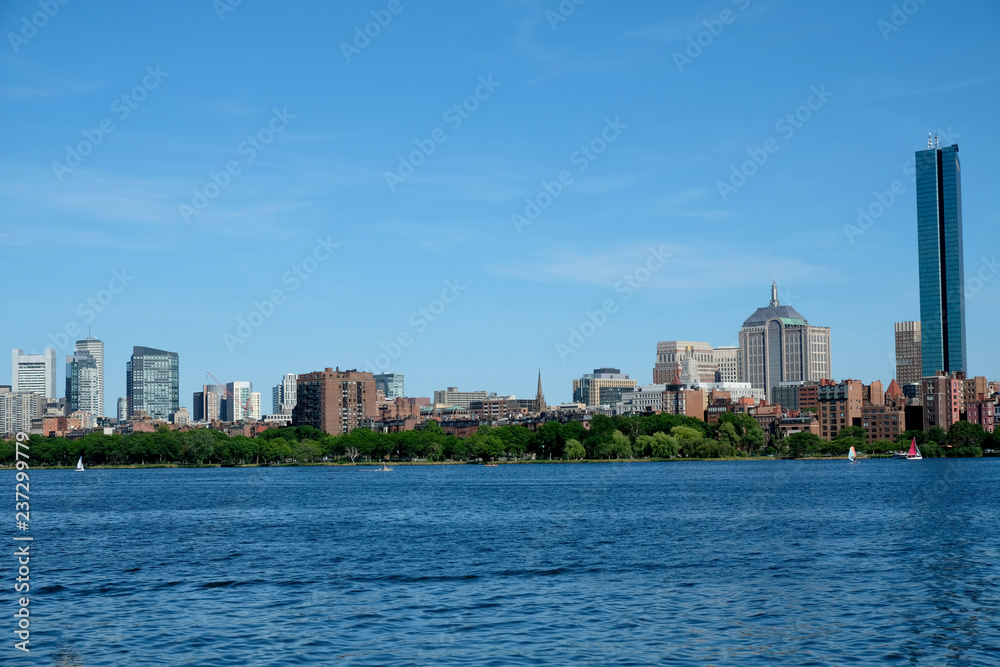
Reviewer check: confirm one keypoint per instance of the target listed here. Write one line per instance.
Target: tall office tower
(283, 395)
(122, 409)
(391, 385)
(778, 345)
(152, 382)
(237, 397)
(35, 373)
(908, 364)
(83, 384)
(333, 400)
(209, 404)
(96, 349)
(942, 267)
(17, 410)
(253, 412)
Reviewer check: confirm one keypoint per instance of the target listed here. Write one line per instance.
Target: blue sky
(612, 119)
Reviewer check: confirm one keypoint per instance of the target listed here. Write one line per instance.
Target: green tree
(665, 446)
(800, 443)
(621, 446)
(574, 450)
(307, 450)
(688, 438)
(200, 445)
(852, 432)
(726, 435)
(966, 434)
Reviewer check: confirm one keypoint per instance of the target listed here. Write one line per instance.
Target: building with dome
(778, 345)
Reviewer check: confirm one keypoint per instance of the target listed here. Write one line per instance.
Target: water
(726, 563)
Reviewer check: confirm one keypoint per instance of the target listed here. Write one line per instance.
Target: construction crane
(246, 406)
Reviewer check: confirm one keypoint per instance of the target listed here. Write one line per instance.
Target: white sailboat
(79, 465)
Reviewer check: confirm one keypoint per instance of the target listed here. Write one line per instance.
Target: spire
(540, 397)
(774, 294)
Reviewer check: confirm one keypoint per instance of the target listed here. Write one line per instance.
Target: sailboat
(79, 465)
(914, 454)
(852, 455)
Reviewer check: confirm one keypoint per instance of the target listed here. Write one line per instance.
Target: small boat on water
(490, 465)
(852, 456)
(384, 468)
(79, 465)
(914, 454)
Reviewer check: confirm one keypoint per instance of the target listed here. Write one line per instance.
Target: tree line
(608, 438)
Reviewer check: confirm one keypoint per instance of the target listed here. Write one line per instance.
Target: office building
(941, 261)
(670, 361)
(83, 384)
(209, 404)
(122, 409)
(462, 399)
(391, 385)
(95, 348)
(334, 401)
(777, 345)
(17, 410)
(605, 386)
(152, 382)
(909, 367)
(239, 399)
(283, 395)
(35, 373)
(727, 360)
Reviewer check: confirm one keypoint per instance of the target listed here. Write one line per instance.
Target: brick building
(334, 401)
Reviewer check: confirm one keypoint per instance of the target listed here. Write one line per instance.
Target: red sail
(913, 447)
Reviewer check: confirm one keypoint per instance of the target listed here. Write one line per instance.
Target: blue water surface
(679, 563)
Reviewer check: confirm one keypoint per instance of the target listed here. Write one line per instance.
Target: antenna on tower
(937, 141)
(930, 140)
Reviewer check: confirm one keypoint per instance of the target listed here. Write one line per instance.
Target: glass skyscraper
(152, 382)
(942, 271)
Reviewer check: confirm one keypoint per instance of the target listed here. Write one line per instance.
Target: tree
(665, 446)
(574, 450)
(852, 432)
(352, 453)
(726, 435)
(307, 450)
(621, 446)
(487, 447)
(966, 434)
(688, 438)
(200, 445)
(800, 443)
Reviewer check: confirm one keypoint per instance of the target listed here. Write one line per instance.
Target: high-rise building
(83, 384)
(605, 386)
(839, 406)
(908, 364)
(17, 410)
(35, 373)
(727, 359)
(333, 400)
(96, 349)
(122, 409)
(283, 395)
(391, 384)
(152, 382)
(253, 412)
(671, 356)
(209, 404)
(941, 396)
(778, 345)
(239, 396)
(942, 266)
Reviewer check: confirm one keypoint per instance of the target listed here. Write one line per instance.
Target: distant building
(283, 395)
(334, 401)
(839, 406)
(239, 396)
(941, 259)
(778, 345)
(883, 422)
(611, 381)
(96, 349)
(539, 405)
(35, 373)
(17, 411)
(983, 413)
(152, 382)
(83, 391)
(670, 357)
(941, 397)
(122, 410)
(391, 384)
(727, 359)
(909, 367)
(209, 404)
(452, 396)
(647, 398)
(681, 400)
(181, 418)
(254, 411)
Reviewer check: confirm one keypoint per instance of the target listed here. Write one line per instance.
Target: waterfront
(814, 562)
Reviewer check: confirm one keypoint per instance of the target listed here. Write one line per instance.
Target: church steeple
(539, 396)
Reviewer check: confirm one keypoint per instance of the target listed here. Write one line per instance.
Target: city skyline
(685, 183)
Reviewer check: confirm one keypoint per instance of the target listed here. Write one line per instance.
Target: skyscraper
(35, 373)
(283, 395)
(96, 349)
(942, 269)
(333, 400)
(391, 385)
(82, 385)
(239, 394)
(778, 345)
(152, 382)
(909, 368)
